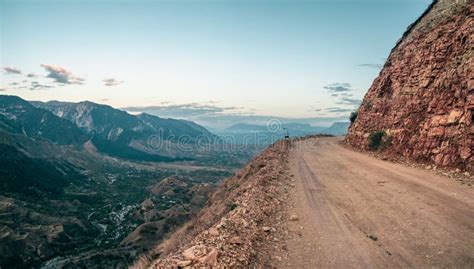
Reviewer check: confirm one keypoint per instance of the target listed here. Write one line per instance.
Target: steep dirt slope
(234, 222)
(423, 99)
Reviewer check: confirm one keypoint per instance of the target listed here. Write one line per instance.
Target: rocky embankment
(421, 106)
(236, 219)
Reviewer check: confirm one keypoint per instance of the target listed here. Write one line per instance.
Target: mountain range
(120, 134)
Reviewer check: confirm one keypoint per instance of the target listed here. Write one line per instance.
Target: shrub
(376, 140)
(353, 116)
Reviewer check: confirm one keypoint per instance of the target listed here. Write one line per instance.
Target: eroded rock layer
(423, 99)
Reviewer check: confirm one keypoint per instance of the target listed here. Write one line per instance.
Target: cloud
(183, 110)
(32, 75)
(338, 110)
(35, 85)
(112, 82)
(343, 93)
(349, 101)
(333, 111)
(338, 87)
(62, 75)
(375, 66)
(3, 89)
(11, 70)
(343, 97)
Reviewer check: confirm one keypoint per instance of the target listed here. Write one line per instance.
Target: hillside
(421, 106)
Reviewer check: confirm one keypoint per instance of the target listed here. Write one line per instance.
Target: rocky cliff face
(423, 99)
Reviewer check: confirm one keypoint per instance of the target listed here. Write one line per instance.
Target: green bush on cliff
(353, 116)
(377, 141)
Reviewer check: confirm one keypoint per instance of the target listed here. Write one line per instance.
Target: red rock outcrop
(423, 99)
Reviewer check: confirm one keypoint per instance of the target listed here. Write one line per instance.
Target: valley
(90, 182)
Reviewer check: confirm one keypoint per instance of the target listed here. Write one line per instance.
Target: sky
(307, 61)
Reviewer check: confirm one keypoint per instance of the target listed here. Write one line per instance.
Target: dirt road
(355, 211)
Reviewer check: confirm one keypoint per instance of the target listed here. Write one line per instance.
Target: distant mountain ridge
(19, 116)
(92, 118)
(263, 135)
(118, 133)
(174, 128)
(110, 123)
(337, 128)
(294, 128)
